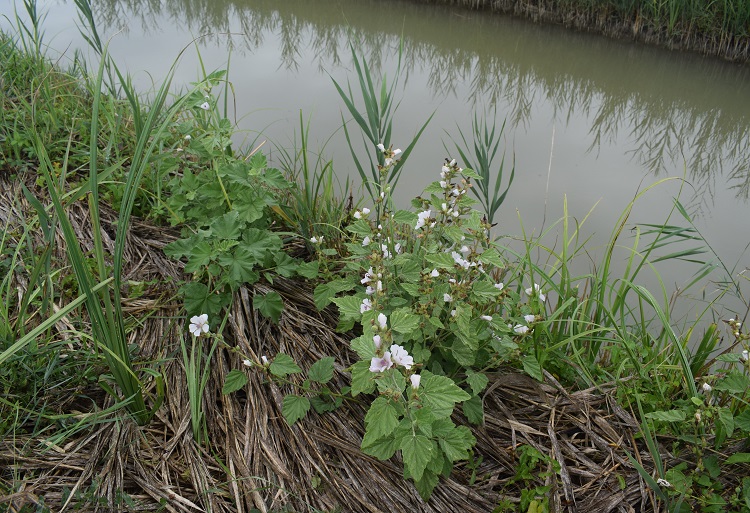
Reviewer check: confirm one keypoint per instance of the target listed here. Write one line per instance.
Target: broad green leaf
(274, 179)
(199, 257)
(200, 300)
(440, 260)
(322, 370)
(283, 365)
(532, 368)
(270, 305)
(259, 243)
(411, 289)
(249, 205)
(728, 358)
(426, 485)
(667, 416)
(364, 346)
(440, 394)
(742, 420)
(381, 419)
(235, 380)
(739, 457)
(382, 449)
(349, 307)
(492, 257)
(726, 420)
(227, 226)
(405, 217)
(360, 227)
(239, 265)
(308, 270)
(417, 453)
(457, 443)
(474, 410)
(403, 321)
(325, 292)
(734, 383)
(285, 265)
(294, 407)
(363, 381)
(477, 381)
(483, 291)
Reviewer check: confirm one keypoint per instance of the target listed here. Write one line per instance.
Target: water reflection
(672, 108)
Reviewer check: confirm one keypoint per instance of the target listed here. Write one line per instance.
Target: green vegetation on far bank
(160, 356)
(719, 28)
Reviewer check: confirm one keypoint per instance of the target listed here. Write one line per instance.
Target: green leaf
(667, 416)
(235, 380)
(742, 421)
(322, 370)
(325, 292)
(360, 227)
(270, 305)
(227, 226)
(440, 260)
(483, 291)
(405, 217)
(308, 270)
(739, 457)
(532, 368)
(259, 243)
(294, 407)
(474, 410)
(349, 307)
(283, 365)
(440, 394)
(492, 257)
(363, 381)
(199, 299)
(403, 321)
(364, 346)
(726, 420)
(426, 485)
(199, 257)
(285, 265)
(381, 420)
(457, 443)
(734, 383)
(239, 266)
(382, 449)
(477, 381)
(417, 453)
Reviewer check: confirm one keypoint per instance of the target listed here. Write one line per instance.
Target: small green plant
(486, 142)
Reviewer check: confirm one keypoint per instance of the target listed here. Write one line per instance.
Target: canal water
(588, 120)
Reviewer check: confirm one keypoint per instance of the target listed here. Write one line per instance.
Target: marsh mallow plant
(425, 286)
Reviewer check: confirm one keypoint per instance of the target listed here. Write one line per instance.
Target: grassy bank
(716, 28)
(184, 326)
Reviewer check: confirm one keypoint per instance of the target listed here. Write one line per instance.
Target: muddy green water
(588, 119)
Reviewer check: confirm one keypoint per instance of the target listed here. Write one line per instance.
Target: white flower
(317, 240)
(452, 163)
(422, 218)
(435, 273)
(381, 364)
(499, 286)
(188, 137)
(447, 298)
(381, 147)
(382, 196)
(198, 325)
(264, 359)
(379, 286)
(706, 388)
(205, 106)
(357, 215)
(415, 379)
(369, 275)
(534, 291)
(745, 355)
(247, 363)
(401, 357)
(382, 321)
(738, 324)
(366, 241)
(386, 252)
(396, 153)
(388, 161)
(369, 290)
(443, 184)
(529, 318)
(486, 317)
(520, 329)
(376, 341)
(444, 171)
(453, 313)
(465, 250)
(365, 211)
(664, 482)
(366, 305)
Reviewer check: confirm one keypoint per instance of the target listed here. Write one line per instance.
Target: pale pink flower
(198, 325)
(415, 379)
(400, 356)
(381, 364)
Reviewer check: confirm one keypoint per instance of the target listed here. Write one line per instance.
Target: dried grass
(255, 460)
